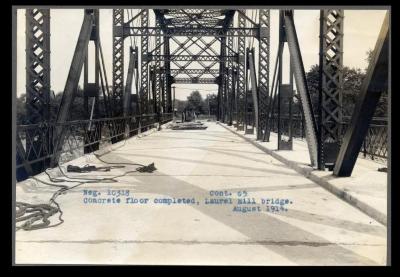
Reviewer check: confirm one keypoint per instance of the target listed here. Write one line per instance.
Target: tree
(369, 56)
(180, 105)
(21, 110)
(382, 107)
(352, 81)
(195, 102)
(211, 103)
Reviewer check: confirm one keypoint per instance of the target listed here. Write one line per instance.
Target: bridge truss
(193, 46)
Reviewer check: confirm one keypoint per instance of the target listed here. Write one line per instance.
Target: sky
(361, 28)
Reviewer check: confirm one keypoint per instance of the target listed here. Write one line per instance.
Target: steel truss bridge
(201, 46)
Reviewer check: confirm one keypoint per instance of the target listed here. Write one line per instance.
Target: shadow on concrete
(278, 172)
(336, 222)
(261, 226)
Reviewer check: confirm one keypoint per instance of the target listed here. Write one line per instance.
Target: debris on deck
(188, 126)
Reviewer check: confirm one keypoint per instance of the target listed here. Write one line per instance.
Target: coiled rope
(36, 216)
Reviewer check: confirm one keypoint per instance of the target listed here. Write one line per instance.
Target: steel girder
(301, 84)
(225, 95)
(167, 77)
(230, 91)
(118, 62)
(330, 87)
(91, 90)
(284, 94)
(133, 55)
(72, 82)
(38, 79)
(205, 48)
(374, 83)
(241, 91)
(253, 82)
(180, 21)
(144, 70)
(152, 90)
(157, 75)
(189, 58)
(263, 71)
(193, 71)
(132, 67)
(200, 13)
(38, 64)
(195, 81)
(187, 31)
(221, 81)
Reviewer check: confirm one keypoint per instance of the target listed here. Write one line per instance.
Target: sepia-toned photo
(226, 135)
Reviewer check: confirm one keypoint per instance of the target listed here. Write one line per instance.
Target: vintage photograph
(229, 135)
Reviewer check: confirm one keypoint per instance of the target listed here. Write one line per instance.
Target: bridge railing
(374, 145)
(81, 136)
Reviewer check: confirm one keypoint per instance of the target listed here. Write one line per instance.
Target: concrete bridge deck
(318, 228)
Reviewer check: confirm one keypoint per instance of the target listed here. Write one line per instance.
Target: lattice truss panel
(241, 92)
(263, 70)
(192, 69)
(194, 58)
(118, 61)
(193, 18)
(167, 78)
(38, 64)
(144, 75)
(332, 75)
(230, 64)
(157, 63)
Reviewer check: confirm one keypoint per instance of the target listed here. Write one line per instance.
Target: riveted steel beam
(263, 71)
(38, 81)
(199, 72)
(72, 82)
(221, 80)
(167, 76)
(183, 31)
(230, 85)
(144, 64)
(195, 81)
(191, 58)
(118, 62)
(330, 87)
(374, 83)
(301, 85)
(241, 90)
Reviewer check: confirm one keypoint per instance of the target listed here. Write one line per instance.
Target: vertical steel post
(157, 72)
(118, 61)
(173, 104)
(263, 71)
(241, 93)
(230, 79)
(254, 87)
(168, 81)
(330, 87)
(144, 76)
(38, 81)
(128, 90)
(91, 90)
(221, 80)
(280, 70)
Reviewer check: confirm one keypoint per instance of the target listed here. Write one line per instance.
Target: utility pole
(209, 112)
(173, 104)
